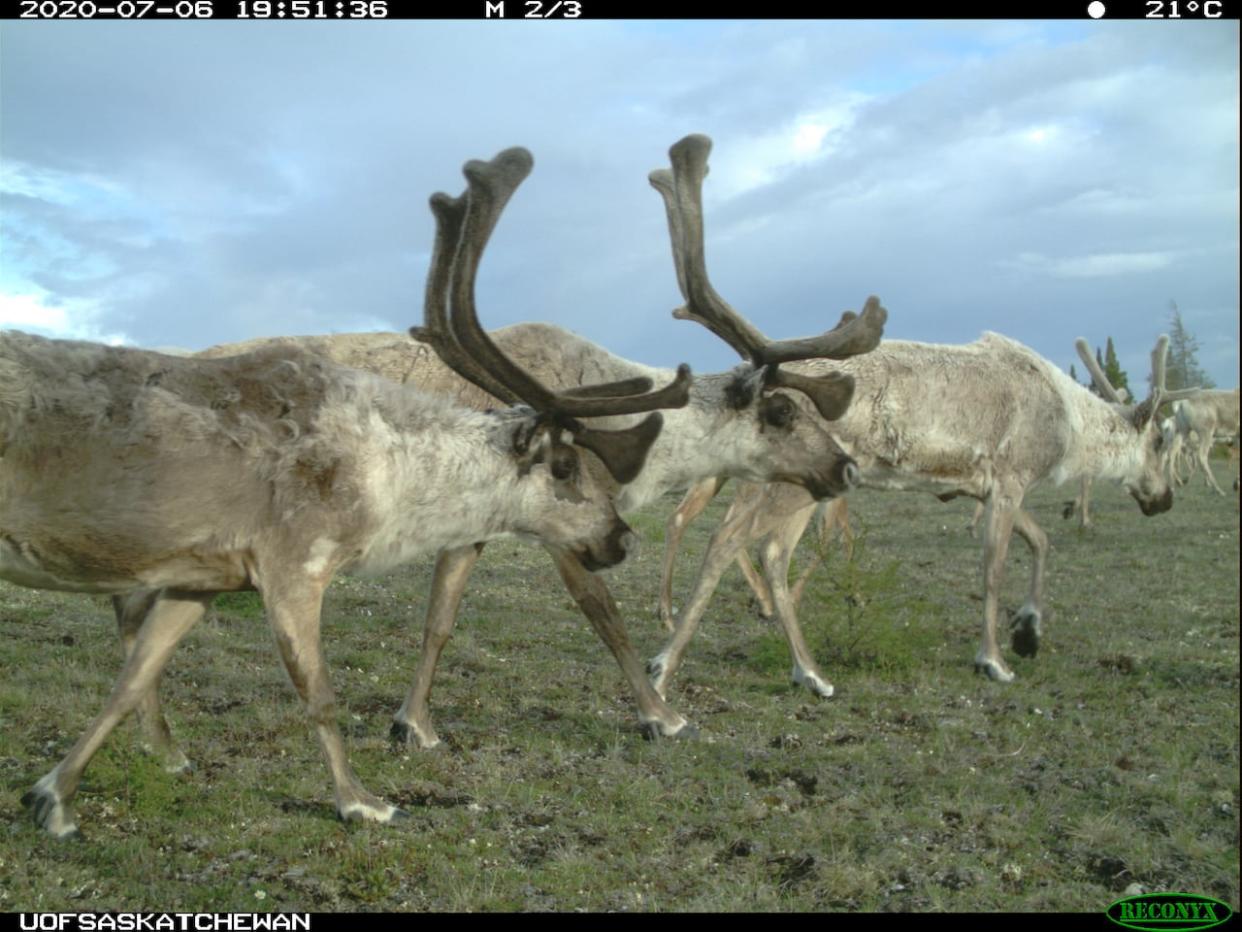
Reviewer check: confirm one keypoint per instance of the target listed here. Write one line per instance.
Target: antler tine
(1104, 386)
(632, 386)
(703, 303)
(449, 213)
(1158, 356)
(853, 336)
(1178, 394)
(610, 398)
(491, 184)
(662, 180)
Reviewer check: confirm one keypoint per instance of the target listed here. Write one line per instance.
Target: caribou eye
(564, 463)
(777, 410)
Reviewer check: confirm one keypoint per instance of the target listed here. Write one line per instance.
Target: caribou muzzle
(842, 476)
(1154, 506)
(619, 543)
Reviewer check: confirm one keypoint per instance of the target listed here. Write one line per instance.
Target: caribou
(986, 420)
(756, 422)
(123, 469)
(1209, 416)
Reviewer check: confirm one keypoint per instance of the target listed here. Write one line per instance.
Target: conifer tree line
(1182, 369)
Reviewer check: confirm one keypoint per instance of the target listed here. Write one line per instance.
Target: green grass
(1111, 760)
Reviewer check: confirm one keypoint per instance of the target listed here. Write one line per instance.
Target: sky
(187, 184)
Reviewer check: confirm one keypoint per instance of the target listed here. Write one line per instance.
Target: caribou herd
(271, 466)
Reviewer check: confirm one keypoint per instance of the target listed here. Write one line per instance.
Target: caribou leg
(744, 502)
(758, 585)
(1205, 447)
(833, 514)
(975, 517)
(1027, 624)
(172, 616)
(753, 509)
(726, 541)
(293, 610)
(775, 553)
(756, 511)
(596, 602)
(1084, 503)
(131, 610)
(999, 516)
(697, 498)
(412, 723)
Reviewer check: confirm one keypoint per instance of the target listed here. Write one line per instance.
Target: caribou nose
(845, 474)
(1155, 506)
(620, 543)
(1163, 503)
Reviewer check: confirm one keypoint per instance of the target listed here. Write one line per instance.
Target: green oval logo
(1158, 912)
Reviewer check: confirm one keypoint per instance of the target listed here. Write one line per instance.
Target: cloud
(753, 162)
(182, 186)
(1094, 266)
(75, 320)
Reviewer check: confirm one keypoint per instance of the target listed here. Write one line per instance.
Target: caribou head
(761, 386)
(546, 438)
(1151, 488)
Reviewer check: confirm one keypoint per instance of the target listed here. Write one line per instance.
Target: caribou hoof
(1026, 631)
(815, 683)
(994, 670)
(51, 814)
(403, 735)
(377, 811)
(655, 731)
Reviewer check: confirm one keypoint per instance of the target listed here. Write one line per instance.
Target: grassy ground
(1111, 760)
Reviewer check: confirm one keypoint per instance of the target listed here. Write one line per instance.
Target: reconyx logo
(1158, 912)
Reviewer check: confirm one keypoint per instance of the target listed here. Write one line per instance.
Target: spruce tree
(1112, 369)
(1182, 369)
(1091, 385)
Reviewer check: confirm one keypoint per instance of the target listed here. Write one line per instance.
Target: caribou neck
(697, 442)
(1102, 445)
(412, 468)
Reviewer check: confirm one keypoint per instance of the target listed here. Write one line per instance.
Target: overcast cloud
(190, 184)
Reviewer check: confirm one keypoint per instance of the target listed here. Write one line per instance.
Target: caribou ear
(1143, 413)
(623, 452)
(743, 387)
